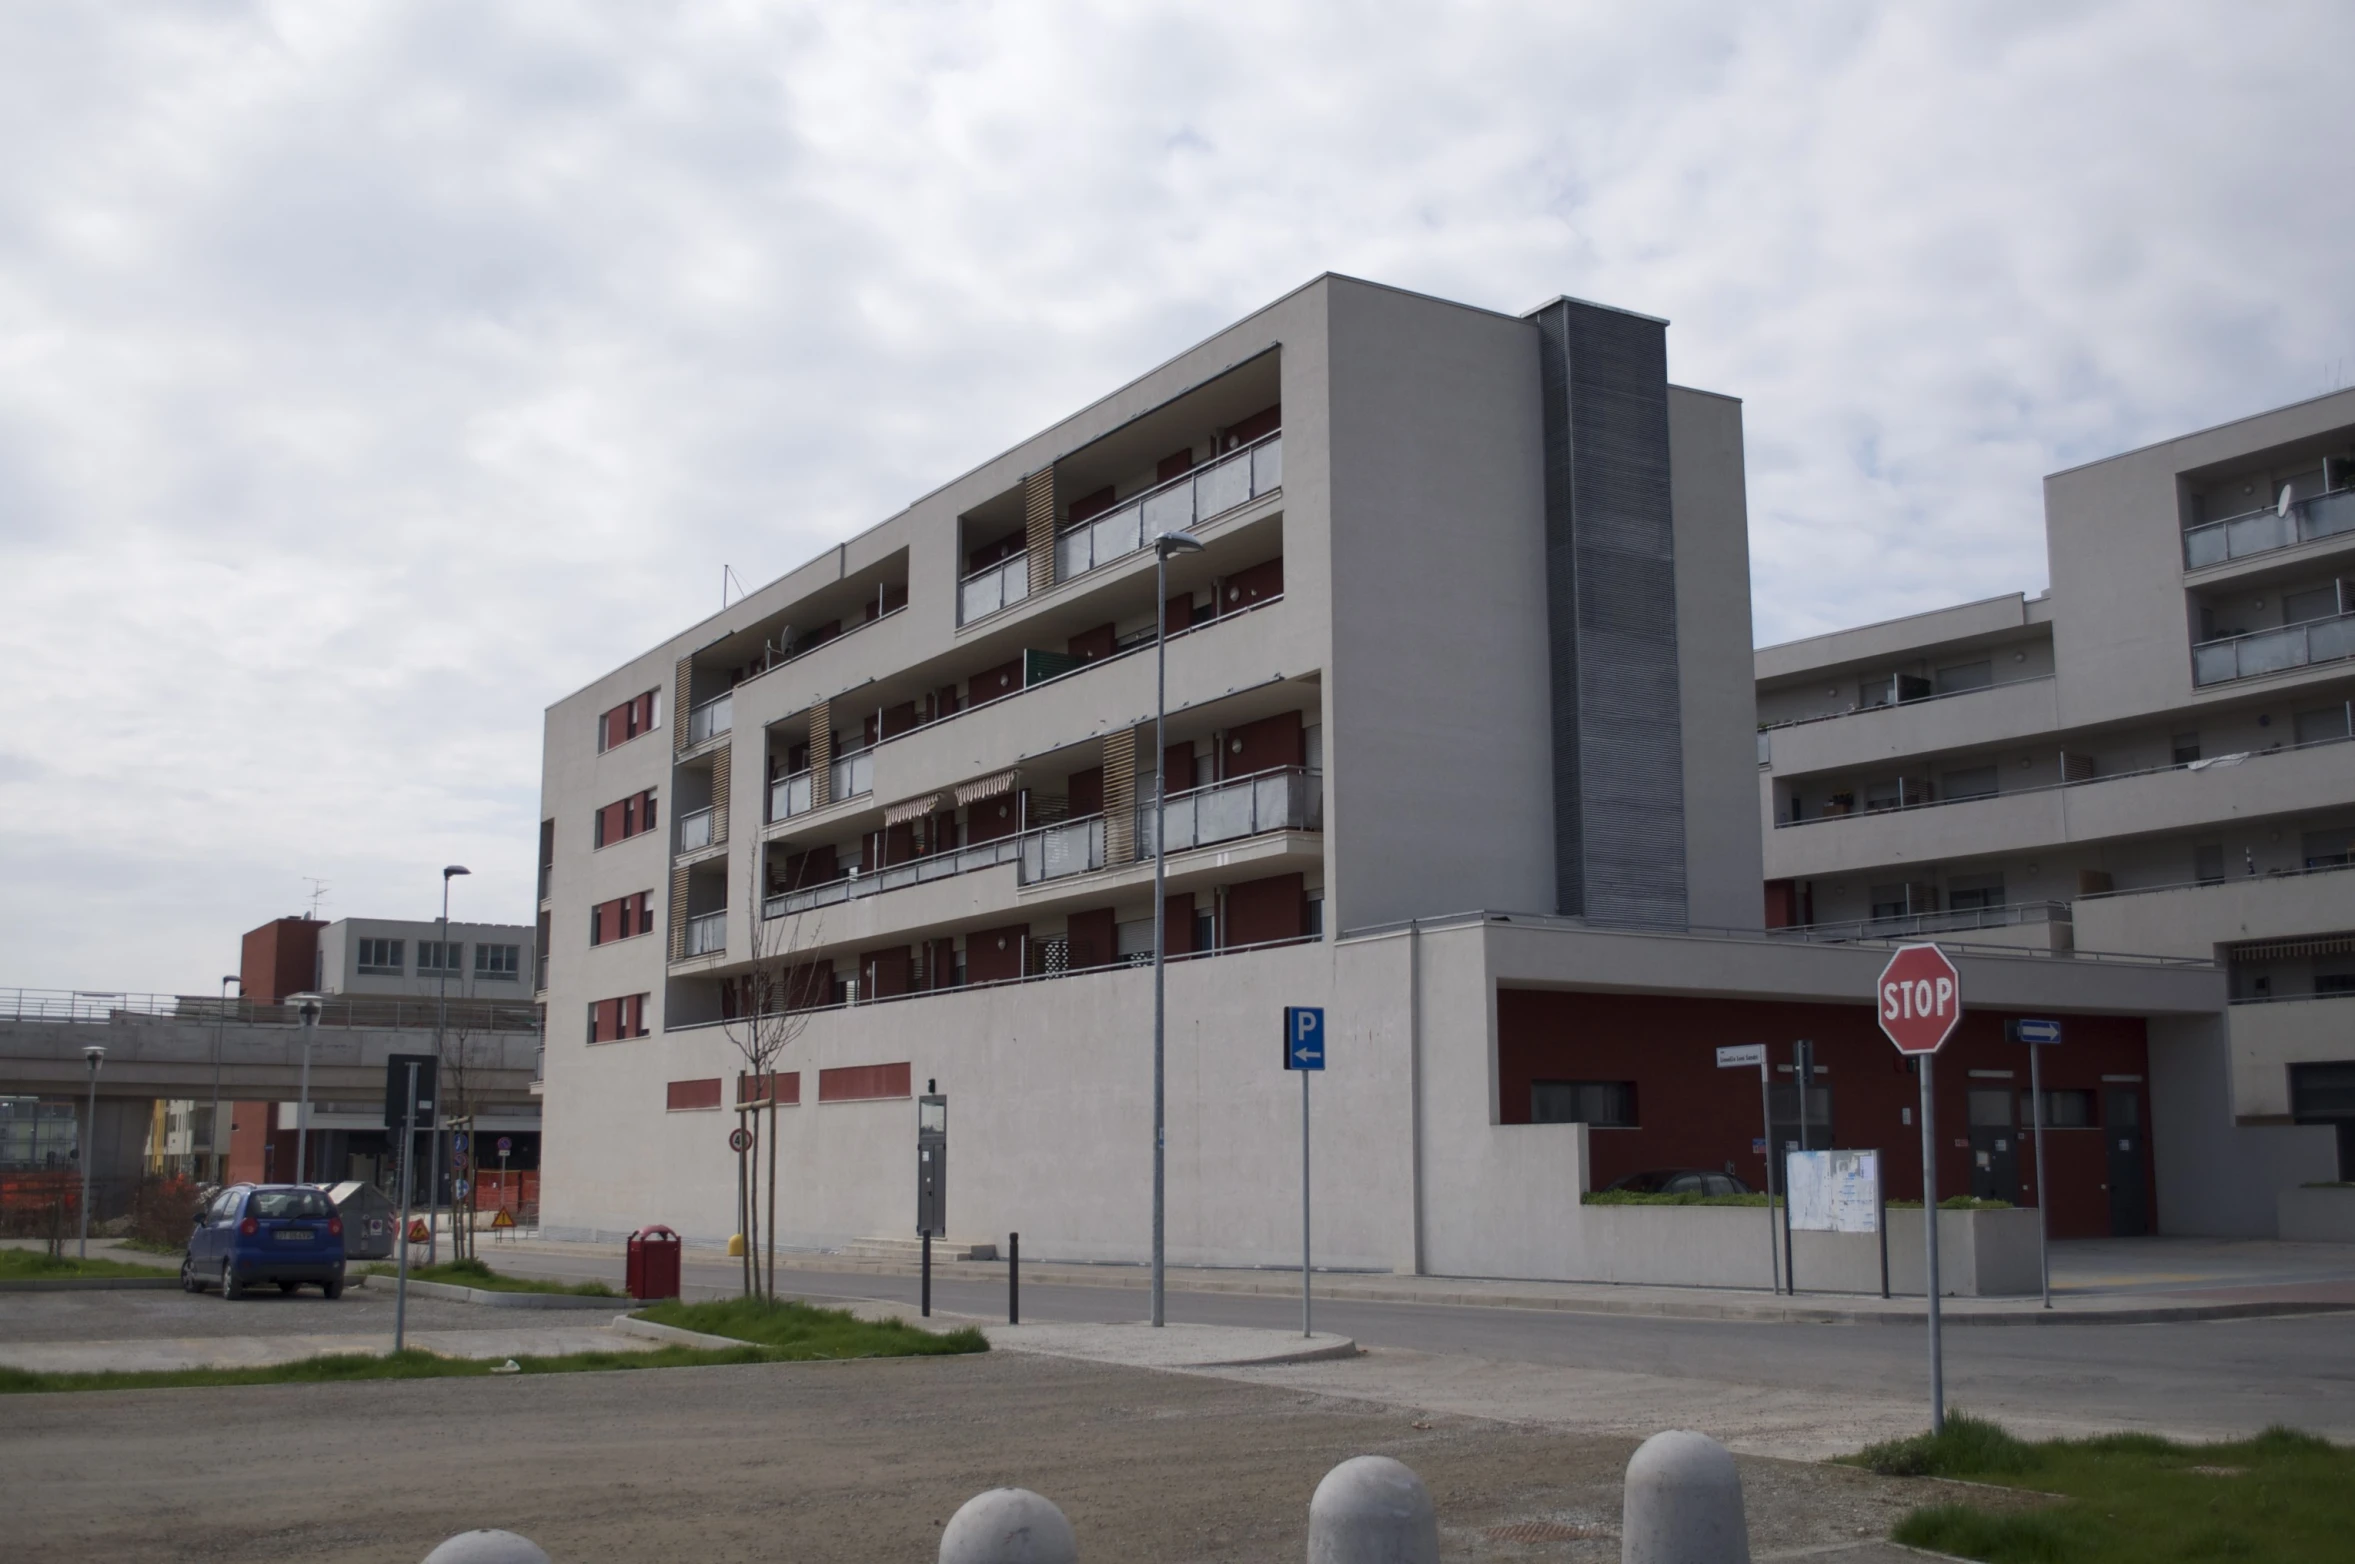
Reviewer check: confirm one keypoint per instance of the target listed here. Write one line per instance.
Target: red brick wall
(278, 959)
(1696, 1115)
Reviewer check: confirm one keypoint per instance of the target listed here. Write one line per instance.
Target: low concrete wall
(450, 1293)
(2319, 1216)
(1981, 1254)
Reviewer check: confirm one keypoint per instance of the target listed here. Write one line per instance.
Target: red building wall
(1692, 1114)
(278, 959)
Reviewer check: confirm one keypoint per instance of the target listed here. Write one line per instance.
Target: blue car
(249, 1234)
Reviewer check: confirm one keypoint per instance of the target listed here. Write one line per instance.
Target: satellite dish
(2281, 507)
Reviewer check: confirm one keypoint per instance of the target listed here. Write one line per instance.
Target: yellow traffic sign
(418, 1233)
(502, 1219)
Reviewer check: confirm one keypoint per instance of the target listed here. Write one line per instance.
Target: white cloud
(373, 374)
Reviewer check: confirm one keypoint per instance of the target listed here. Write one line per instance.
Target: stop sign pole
(1920, 997)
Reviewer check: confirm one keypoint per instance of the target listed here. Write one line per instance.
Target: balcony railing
(1065, 848)
(1911, 924)
(1235, 479)
(695, 830)
(2271, 651)
(2261, 531)
(850, 776)
(711, 719)
(994, 587)
(1912, 700)
(707, 932)
(789, 796)
(854, 774)
(892, 877)
(1289, 799)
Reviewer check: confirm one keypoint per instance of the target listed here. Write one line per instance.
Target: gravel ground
(141, 1314)
(852, 1461)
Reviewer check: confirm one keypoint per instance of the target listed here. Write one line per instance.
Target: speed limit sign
(739, 1140)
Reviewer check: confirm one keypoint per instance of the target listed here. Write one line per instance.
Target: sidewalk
(2110, 1282)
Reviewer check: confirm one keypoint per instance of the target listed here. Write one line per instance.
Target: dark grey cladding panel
(1611, 600)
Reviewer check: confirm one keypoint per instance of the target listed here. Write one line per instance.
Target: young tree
(774, 996)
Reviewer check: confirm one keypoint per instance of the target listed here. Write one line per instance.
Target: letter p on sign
(1920, 999)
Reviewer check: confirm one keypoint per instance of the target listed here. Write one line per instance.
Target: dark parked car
(1681, 1181)
(254, 1233)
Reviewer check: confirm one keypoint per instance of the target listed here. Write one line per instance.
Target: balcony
(1290, 799)
(993, 587)
(2262, 531)
(892, 877)
(1212, 490)
(707, 933)
(2273, 651)
(1070, 847)
(711, 719)
(2044, 925)
(695, 830)
(850, 776)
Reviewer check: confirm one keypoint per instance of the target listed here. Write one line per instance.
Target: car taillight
(249, 1227)
(335, 1227)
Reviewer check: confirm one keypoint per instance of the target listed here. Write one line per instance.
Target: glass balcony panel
(2258, 532)
(706, 933)
(1267, 466)
(2214, 663)
(980, 595)
(1116, 535)
(694, 830)
(1221, 814)
(1016, 576)
(789, 796)
(2272, 651)
(2204, 546)
(711, 719)
(1223, 487)
(1169, 510)
(1073, 555)
(2330, 639)
(854, 774)
(2327, 515)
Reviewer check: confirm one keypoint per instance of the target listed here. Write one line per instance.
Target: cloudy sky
(372, 375)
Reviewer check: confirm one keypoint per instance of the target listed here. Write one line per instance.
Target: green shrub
(1969, 1446)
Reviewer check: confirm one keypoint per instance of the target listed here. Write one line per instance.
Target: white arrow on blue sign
(1304, 1037)
(2026, 1031)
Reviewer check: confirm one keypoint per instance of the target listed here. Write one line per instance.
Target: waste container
(369, 1221)
(654, 1263)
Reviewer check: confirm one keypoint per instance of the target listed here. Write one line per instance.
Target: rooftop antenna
(318, 894)
(728, 574)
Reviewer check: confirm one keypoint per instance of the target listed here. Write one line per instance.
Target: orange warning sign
(503, 1219)
(418, 1233)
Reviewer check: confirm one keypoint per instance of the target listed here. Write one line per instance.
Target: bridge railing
(371, 1012)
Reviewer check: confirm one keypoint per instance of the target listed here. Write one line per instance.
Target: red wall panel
(691, 1096)
(994, 955)
(864, 1082)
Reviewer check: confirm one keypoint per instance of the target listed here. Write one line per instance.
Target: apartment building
(1459, 746)
(2149, 758)
(389, 958)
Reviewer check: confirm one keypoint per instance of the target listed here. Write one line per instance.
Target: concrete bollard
(487, 1547)
(1008, 1526)
(1372, 1510)
(1684, 1504)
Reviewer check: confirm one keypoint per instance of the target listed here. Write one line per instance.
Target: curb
(630, 1325)
(450, 1293)
(87, 1283)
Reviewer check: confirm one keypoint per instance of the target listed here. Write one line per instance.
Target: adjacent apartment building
(2151, 758)
(1459, 746)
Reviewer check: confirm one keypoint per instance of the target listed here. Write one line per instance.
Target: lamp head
(1169, 543)
(95, 1054)
(456, 868)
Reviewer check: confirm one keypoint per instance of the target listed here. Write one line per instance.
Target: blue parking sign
(1304, 1037)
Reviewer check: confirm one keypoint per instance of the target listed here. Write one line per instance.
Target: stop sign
(1921, 999)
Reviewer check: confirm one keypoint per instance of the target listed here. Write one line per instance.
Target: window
(1603, 1104)
(2068, 1110)
(2322, 726)
(2329, 849)
(498, 963)
(437, 957)
(2316, 603)
(2184, 748)
(1313, 919)
(1968, 891)
(380, 957)
(1972, 782)
(613, 1019)
(1966, 676)
(2208, 863)
(628, 817)
(278, 1204)
(626, 721)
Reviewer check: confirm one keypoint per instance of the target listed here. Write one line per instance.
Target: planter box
(1981, 1254)
(2317, 1216)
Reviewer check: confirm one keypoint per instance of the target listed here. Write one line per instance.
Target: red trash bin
(654, 1264)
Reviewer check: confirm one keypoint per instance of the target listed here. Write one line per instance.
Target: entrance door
(1995, 1145)
(2130, 1205)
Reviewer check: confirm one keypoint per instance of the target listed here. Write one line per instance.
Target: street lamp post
(1164, 546)
(94, 1056)
(306, 1010)
(212, 1138)
(441, 1012)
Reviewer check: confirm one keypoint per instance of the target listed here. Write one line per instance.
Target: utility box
(653, 1269)
(932, 1166)
(370, 1222)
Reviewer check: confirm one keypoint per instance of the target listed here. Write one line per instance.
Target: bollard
(1013, 1278)
(927, 1273)
(1008, 1526)
(1372, 1510)
(1684, 1504)
(487, 1547)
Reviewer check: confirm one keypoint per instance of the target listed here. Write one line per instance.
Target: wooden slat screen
(1038, 527)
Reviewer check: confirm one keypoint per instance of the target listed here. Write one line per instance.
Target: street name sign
(1920, 999)
(1741, 1056)
(1304, 1037)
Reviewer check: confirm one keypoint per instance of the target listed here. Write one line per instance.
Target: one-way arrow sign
(1304, 1037)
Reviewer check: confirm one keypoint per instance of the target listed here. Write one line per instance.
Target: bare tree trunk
(771, 1228)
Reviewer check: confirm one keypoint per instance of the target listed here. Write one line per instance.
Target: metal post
(1013, 1278)
(927, 1295)
(1930, 1245)
(1306, 1328)
(309, 1018)
(1881, 1216)
(2043, 1174)
(220, 1021)
(1160, 894)
(1774, 1261)
(408, 1155)
(441, 1014)
(94, 1054)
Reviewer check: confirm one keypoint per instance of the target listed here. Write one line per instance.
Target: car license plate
(294, 1235)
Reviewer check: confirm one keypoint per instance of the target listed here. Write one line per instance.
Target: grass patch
(343, 1367)
(150, 1246)
(478, 1274)
(2283, 1497)
(33, 1265)
(801, 1331)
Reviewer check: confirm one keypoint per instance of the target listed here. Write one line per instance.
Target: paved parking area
(129, 1315)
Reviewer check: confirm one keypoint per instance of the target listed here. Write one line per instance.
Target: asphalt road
(2234, 1374)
